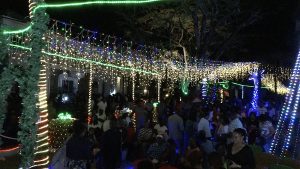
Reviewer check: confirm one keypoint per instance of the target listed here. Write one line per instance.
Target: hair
(145, 164)
(241, 132)
(205, 112)
(79, 127)
(263, 118)
(224, 120)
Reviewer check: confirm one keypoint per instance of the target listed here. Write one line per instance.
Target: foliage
(29, 89)
(8, 75)
(206, 28)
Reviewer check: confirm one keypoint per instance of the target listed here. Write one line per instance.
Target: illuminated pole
(41, 152)
(158, 89)
(204, 88)
(255, 76)
(133, 87)
(90, 108)
(41, 156)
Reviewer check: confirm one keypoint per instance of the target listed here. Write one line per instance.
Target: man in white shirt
(235, 122)
(204, 123)
(101, 105)
(176, 128)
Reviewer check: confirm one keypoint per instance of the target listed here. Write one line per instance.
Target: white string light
(90, 90)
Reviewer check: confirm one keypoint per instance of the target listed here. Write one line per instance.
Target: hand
(95, 151)
(234, 165)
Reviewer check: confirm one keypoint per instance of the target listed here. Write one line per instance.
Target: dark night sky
(271, 39)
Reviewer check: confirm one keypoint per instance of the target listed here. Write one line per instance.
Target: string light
(221, 95)
(42, 132)
(285, 130)
(90, 90)
(255, 77)
(10, 149)
(158, 89)
(154, 113)
(59, 132)
(204, 88)
(33, 8)
(133, 87)
(243, 92)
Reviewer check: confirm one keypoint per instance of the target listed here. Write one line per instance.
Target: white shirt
(234, 124)
(162, 130)
(223, 130)
(204, 125)
(102, 106)
(106, 125)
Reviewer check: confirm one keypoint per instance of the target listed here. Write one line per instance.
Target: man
(204, 123)
(235, 122)
(141, 115)
(175, 126)
(111, 146)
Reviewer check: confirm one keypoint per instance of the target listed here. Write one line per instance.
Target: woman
(240, 155)
(79, 149)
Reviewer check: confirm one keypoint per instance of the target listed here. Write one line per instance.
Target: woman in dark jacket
(79, 149)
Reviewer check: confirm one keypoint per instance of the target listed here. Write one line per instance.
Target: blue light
(285, 135)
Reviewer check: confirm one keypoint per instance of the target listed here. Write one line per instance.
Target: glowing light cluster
(67, 53)
(286, 129)
(65, 116)
(269, 82)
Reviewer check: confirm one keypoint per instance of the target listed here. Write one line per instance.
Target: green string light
(247, 85)
(74, 4)
(89, 61)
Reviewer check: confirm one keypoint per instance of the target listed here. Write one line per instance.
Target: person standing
(176, 128)
(204, 123)
(141, 115)
(79, 149)
(111, 146)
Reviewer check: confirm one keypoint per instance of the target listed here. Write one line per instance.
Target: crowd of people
(189, 134)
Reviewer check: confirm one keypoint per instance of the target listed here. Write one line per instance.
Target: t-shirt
(204, 125)
(244, 157)
(162, 130)
(234, 124)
